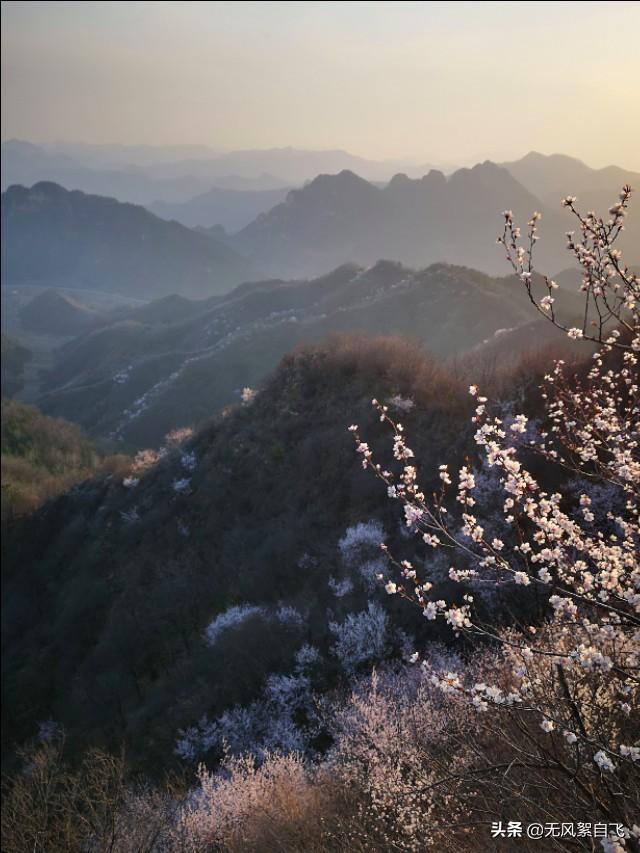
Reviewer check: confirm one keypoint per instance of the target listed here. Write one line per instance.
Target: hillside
(266, 509)
(52, 236)
(135, 380)
(109, 589)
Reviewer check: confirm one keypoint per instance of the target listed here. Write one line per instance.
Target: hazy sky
(434, 82)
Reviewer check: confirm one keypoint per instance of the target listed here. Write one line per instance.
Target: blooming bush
(231, 618)
(359, 550)
(360, 637)
(278, 805)
(393, 737)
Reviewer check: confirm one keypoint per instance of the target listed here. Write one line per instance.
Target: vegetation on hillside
(42, 457)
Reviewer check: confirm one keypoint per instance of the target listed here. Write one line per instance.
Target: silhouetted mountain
(55, 313)
(339, 218)
(233, 209)
(52, 236)
(135, 380)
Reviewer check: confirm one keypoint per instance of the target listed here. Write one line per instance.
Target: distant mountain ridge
(54, 236)
(347, 212)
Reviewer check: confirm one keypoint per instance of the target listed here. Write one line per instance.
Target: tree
(559, 704)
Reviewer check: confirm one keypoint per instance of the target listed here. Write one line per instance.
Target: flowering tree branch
(575, 676)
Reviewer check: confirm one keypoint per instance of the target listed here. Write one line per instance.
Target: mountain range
(146, 599)
(134, 373)
(331, 220)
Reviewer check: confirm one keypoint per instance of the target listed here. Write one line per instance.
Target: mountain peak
(400, 179)
(344, 183)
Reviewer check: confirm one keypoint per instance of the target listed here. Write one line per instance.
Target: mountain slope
(135, 380)
(53, 236)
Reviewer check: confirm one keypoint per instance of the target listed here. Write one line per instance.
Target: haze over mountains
(146, 174)
(333, 219)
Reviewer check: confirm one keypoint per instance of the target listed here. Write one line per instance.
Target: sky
(430, 82)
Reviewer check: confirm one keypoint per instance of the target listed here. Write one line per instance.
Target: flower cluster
(611, 289)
